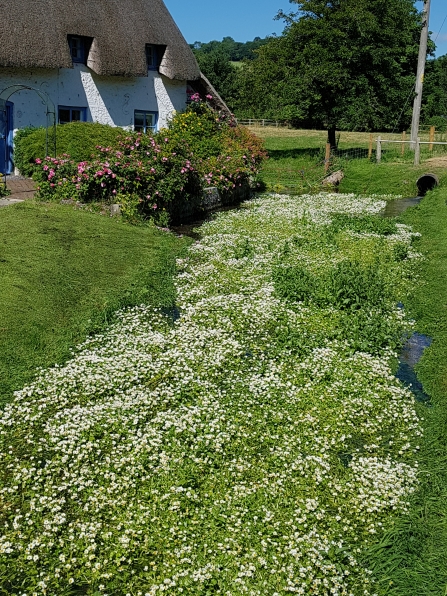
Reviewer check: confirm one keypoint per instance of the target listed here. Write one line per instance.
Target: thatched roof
(204, 87)
(33, 34)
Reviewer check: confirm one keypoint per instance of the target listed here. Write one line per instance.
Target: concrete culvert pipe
(427, 182)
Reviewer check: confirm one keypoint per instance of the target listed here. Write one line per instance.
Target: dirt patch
(437, 162)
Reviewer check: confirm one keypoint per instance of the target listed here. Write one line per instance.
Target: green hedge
(77, 139)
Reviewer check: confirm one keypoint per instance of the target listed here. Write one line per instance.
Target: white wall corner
(165, 106)
(96, 104)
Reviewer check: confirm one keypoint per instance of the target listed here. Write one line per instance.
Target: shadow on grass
(279, 154)
(315, 153)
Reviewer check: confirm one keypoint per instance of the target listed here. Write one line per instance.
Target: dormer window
(79, 48)
(154, 56)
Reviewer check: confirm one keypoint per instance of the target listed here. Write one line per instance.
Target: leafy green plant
(4, 191)
(295, 283)
(370, 224)
(79, 140)
(354, 285)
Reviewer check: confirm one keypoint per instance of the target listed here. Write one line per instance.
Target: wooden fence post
(432, 138)
(404, 134)
(379, 150)
(417, 152)
(327, 157)
(370, 148)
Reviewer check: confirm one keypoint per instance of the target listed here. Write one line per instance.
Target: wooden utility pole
(420, 74)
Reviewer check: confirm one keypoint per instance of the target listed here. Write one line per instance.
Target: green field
(63, 273)
(296, 162)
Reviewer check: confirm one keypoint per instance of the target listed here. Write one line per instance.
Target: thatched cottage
(119, 62)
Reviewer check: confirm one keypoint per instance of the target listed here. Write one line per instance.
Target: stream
(396, 207)
(414, 346)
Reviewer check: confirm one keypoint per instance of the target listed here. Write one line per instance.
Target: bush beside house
(80, 140)
(160, 176)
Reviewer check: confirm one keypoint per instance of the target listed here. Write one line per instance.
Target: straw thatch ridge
(203, 88)
(34, 35)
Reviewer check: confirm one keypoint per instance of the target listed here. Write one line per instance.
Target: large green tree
(339, 64)
(216, 66)
(434, 108)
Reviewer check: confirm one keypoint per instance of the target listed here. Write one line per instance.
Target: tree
(434, 106)
(340, 64)
(216, 66)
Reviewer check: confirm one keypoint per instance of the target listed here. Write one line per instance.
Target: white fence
(263, 122)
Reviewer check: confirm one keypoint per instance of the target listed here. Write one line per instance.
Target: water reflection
(398, 206)
(410, 355)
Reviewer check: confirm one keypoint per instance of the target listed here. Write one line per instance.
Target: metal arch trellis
(50, 114)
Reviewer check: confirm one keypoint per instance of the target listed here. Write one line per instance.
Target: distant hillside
(235, 51)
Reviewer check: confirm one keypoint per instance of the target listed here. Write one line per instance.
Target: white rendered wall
(110, 100)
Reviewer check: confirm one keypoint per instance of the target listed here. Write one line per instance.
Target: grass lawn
(63, 273)
(296, 162)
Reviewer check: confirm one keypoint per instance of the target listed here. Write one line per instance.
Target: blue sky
(204, 20)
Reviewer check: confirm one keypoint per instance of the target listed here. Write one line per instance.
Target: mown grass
(296, 163)
(63, 273)
(412, 559)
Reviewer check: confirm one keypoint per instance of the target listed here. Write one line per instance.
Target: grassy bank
(296, 163)
(63, 273)
(412, 559)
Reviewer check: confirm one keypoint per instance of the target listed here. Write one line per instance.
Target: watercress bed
(257, 444)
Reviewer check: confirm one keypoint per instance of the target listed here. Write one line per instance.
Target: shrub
(151, 176)
(79, 140)
(165, 172)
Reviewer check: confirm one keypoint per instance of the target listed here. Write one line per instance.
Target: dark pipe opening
(427, 182)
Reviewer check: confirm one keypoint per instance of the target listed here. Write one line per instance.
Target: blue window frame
(154, 56)
(6, 138)
(145, 121)
(68, 114)
(79, 48)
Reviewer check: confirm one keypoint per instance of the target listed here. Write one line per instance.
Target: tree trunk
(331, 138)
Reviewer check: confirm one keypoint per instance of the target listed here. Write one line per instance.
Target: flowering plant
(248, 447)
(159, 172)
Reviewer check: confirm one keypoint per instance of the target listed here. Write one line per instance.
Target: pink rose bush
(163, 172)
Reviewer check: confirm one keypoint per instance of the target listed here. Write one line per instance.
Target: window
(154, 56)
(145, 121)
(69, 114)
(79, 48)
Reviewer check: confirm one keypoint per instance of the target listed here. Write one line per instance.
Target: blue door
(6, 137)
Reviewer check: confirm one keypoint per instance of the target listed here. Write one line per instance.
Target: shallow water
(191, 227)
(410, 355)
(398, 206)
